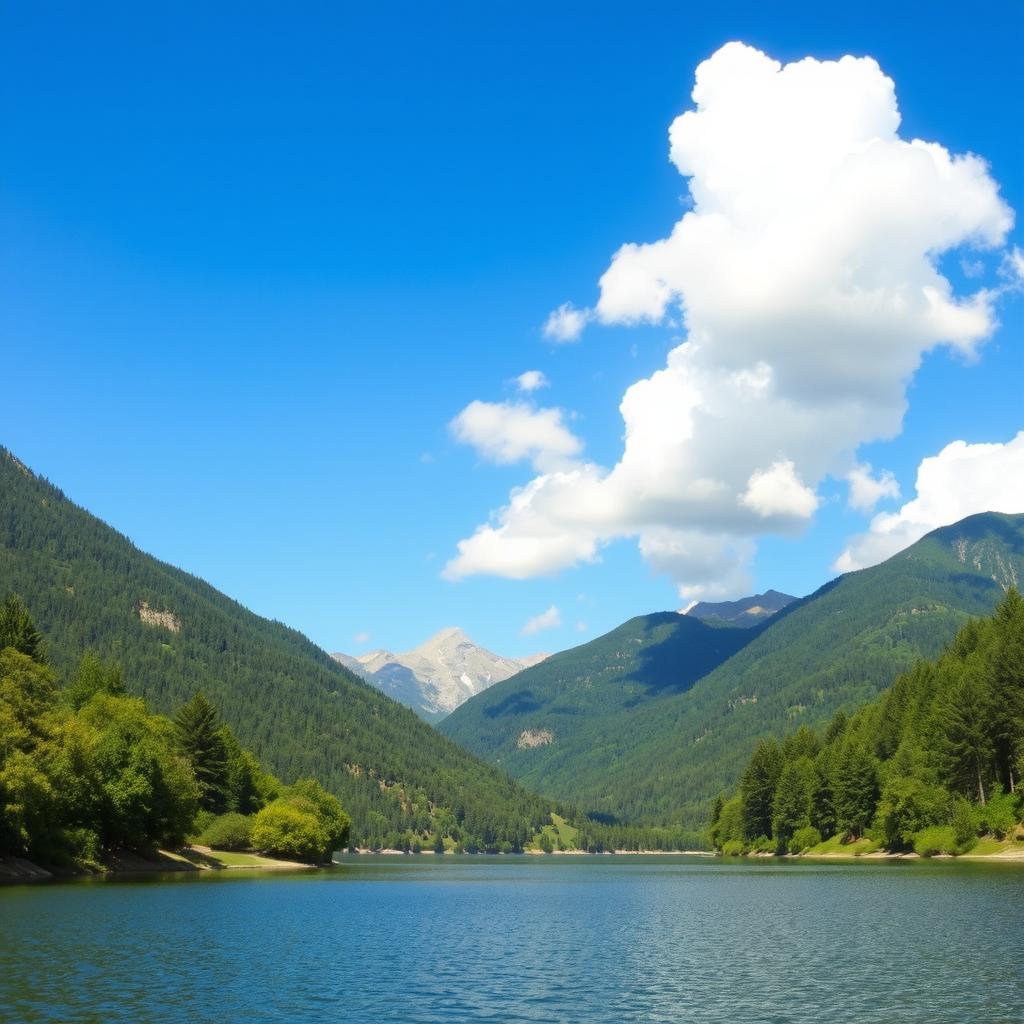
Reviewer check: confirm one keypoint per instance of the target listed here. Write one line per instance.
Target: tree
(287, 831)
(965, 750)
(1006, 668)
(336, 823)
(757, 789)
(198, 729)
(855, 788)
(17, 629)
(93, 676)
(791, 808)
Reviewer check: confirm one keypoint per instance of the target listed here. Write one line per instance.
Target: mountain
(301, 712)
(748, 611)
(665, 758)
(439, 675)
(574, 710)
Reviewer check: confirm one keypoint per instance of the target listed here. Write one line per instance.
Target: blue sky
(257, 260)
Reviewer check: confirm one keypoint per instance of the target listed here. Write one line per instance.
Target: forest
(932, 766)
(87, 771)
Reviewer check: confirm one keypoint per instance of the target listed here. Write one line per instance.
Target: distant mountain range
(649, 722)
(748, 611)
(439, 675)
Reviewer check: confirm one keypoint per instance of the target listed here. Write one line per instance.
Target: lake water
(506, 939)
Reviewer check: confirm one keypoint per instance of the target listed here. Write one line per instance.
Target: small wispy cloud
(532, 380)
(363, 637)
(565, 324)
(550, 619)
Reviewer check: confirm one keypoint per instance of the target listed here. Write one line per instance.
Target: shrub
(287, 831)
(804, 839)
(999, 815)
(934, 840)
(762, 844)
(733, 848)
(231, 831)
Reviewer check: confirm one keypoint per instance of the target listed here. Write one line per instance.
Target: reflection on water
(509, 939)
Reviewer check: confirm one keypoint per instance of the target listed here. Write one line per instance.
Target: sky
(388, 318)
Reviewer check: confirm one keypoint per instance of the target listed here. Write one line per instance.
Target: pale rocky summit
(439, 675)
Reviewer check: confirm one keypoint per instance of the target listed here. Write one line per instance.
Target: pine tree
(1007, 674)
(198, 728)
(965, 749)
(855, 788)
(791, 808)
(757, 789)
(17, 630)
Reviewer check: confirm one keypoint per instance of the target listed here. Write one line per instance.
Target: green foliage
(757, 789)
(285, 830)
(200, 738)
(803, 839)
(922, 766)
(935, 840)
(794, 795)
(18, 631)
(231, 831)
(93, 675)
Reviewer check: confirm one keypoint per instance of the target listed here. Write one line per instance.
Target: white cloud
(507, 432)
(362, 637)
(805, 274)
(777, 491)
(961, 480)
(867, 490)
(532, 380)
(565, 324)
(550, 619)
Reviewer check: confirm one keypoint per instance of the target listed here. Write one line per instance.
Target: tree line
(930, 766)
(87, 770)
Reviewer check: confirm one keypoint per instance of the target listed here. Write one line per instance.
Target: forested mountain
(932, 764)
(89, 588)
(664, 759)
(570, 716)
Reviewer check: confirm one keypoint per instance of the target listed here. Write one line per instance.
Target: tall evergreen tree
(855, 788)
(791, 808)
(757, 789)
(198, 729)
(17, 629)
(1007, 674)
(965, 748)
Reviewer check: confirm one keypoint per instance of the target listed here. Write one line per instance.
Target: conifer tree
(17, 629)
(198, 729)
(855, 787)
(757, 789)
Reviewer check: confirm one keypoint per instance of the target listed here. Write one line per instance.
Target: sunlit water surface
(589, 939)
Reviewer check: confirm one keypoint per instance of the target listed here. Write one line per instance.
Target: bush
(762, 844)
(804, 839)
(999, 815)
(286, 831)
(733, 848)
(934, 840)
(231, 831)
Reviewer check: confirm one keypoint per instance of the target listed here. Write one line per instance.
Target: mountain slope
(88, 586)
(837, 648)
(436, 677)
(571, 713)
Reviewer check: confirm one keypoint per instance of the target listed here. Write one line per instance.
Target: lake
(506, 939)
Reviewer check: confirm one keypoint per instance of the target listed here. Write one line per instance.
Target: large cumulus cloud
(805, 274)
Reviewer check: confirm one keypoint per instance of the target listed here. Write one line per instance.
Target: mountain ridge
(439, 674)
(664, 760)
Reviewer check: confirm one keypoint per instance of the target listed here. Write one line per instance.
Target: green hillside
(568, 716)
(666, 758)
(303, 714)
